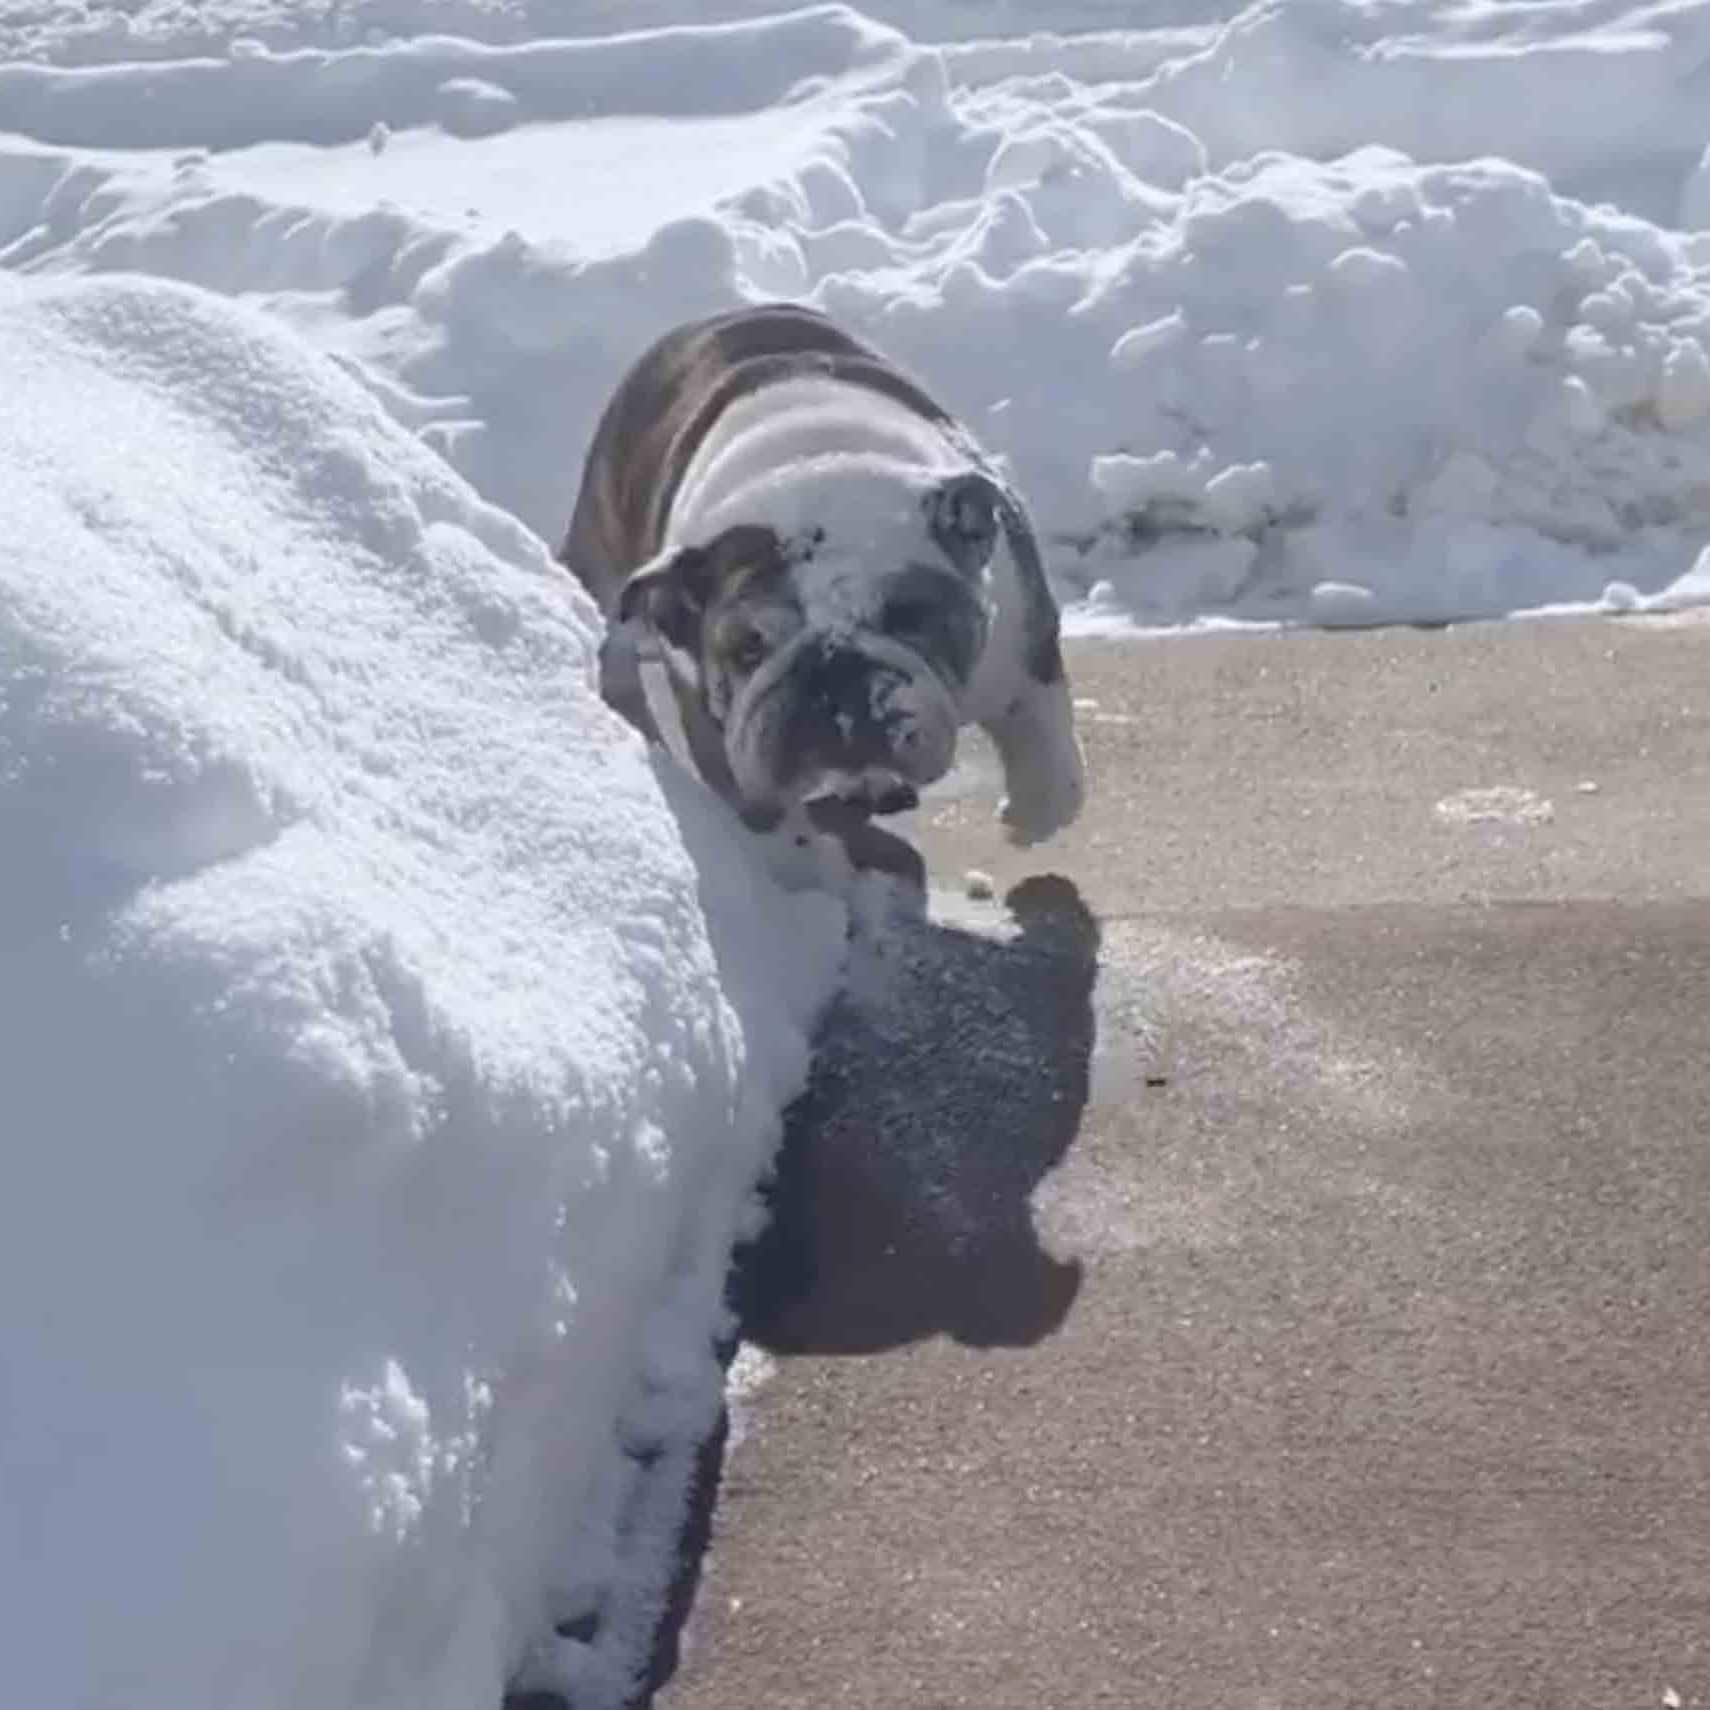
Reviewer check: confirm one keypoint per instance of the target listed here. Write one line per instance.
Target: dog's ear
(670, 596)
(962, 514)
(662, 602)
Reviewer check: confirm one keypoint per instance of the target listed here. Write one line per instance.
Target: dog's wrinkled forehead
(833, 529)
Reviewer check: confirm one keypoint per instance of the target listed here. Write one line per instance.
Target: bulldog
(812, 579)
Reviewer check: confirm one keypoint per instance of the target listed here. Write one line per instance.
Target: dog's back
(667, 403)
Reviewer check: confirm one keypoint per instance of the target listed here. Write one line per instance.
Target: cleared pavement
(1267, 1263)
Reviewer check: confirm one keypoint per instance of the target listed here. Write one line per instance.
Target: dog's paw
(1045, 781)
(1041, 802)
(1044, 772)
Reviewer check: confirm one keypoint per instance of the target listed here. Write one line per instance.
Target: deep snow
(1286, 316)
(385, 1082)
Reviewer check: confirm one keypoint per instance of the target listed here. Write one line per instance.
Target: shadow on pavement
(950, 1077)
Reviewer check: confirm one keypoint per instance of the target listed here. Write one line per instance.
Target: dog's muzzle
(860, 717)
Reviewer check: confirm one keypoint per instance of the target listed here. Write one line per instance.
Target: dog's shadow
(949, 1078)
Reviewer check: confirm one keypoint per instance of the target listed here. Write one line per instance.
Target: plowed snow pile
(383, 1086)
(1315, 311)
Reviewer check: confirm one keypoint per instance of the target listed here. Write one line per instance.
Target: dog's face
(830, 635)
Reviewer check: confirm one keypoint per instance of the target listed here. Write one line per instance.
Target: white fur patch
(834, 468)
(800, 421)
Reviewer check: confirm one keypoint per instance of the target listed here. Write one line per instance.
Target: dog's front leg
(1021, 695)
(1044, 774)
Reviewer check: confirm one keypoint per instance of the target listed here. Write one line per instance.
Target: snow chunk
(1501, 804)
(1238, 498)
(473, 107)
(1517, 331)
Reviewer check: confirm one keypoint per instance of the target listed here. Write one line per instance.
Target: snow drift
(1313, 313)
(384, 1082)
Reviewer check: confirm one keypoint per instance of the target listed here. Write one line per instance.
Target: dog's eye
(907, 616)
(746, 650)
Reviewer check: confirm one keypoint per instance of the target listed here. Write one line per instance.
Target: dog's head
(829, 625)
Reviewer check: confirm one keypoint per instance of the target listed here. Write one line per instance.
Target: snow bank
(384, 1081)
(94, 32)
(1264, 325)
(330, 97)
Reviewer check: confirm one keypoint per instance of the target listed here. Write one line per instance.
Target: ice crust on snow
(1310, 313)
(386, 1080)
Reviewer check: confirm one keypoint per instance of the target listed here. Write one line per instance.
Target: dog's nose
(848, 693)
(843, 677)
(858, 714)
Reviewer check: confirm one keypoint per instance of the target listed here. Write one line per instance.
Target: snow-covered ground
(388, 1049)
(1321, 311)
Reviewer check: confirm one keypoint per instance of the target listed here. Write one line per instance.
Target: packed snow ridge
(1315, 313)
(388, 1062)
